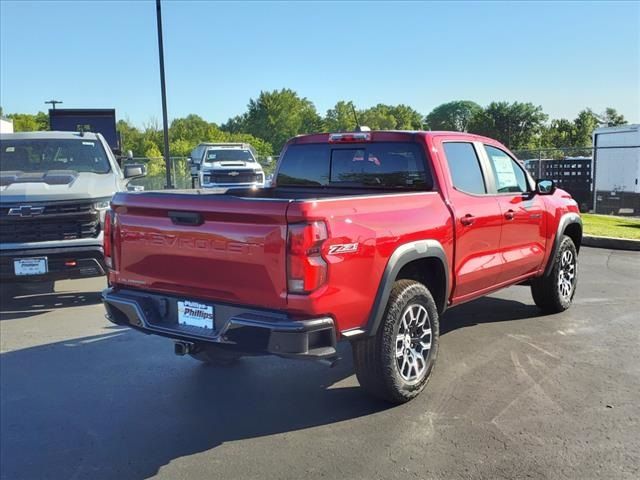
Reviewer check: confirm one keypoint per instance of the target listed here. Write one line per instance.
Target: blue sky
(563, 56)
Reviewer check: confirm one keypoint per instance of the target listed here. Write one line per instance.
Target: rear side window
(464, 166)
(381, 165)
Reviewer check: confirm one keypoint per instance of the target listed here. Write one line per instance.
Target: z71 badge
(343, 248)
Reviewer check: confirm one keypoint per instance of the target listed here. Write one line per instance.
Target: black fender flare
(566, 220)
(404, 254)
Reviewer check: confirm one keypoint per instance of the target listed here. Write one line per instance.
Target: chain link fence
(156, 178)
(601, 180)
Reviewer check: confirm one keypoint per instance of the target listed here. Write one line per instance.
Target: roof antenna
(359, 128)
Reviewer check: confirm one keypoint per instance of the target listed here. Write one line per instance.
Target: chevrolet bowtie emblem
(234, 174)
(26, 211)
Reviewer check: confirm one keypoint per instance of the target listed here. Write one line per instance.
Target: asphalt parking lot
(514, 395)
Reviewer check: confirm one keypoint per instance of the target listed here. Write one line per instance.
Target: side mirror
(129, 155)
(135, 171)
(545, 187)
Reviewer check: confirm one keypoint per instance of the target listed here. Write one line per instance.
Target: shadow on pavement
(486, 310)
(21, 301)
(121, 405)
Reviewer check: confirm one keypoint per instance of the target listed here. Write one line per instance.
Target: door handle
(510, 214)
(467, 220)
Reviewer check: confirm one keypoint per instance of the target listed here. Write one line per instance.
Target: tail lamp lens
(107, 242)
(306, 268)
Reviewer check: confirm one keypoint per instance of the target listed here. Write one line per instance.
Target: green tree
(340, 118)
(456, 115)
(584, 125)
(237, 124)
(26, 122)
(579, 132)
(558, 133)
(407, 118)
(131, 138)
(180, 148)
(186, 133)
(192, 128)
(390, 117)
(611, 118)
(279, 115)
(517, 125)
(263, 148)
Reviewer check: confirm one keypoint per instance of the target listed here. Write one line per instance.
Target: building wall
(6, 125)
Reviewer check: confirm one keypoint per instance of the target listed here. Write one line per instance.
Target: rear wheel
(216, 356)
(554, 293)
(397, 362)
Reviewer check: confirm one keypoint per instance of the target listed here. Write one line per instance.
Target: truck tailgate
(208, 246)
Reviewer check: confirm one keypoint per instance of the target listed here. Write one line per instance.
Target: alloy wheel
(567, 274)
(413, 343)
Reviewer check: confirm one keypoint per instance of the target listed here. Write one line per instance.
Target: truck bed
(236, 249)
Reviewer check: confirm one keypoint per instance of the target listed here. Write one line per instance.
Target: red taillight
(350, 137)
(306, 269)
(107, 240)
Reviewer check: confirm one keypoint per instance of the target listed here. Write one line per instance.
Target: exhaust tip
(182, 348)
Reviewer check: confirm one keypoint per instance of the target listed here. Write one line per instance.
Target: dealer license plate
(195, 314)
(30, 266)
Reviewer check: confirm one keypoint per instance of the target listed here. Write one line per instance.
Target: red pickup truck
(364, 236)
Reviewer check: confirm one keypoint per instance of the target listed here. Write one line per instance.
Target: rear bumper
(89, 262)
(245, 330)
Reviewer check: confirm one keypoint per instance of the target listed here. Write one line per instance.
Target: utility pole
(53, 103)
(165, 123)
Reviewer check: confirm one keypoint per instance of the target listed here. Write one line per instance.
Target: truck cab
(225, 165)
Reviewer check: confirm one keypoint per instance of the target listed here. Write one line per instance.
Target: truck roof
(390, 135)
(222, 144)
(618, 128)
(48, 135)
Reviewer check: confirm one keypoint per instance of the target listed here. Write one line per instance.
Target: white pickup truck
(225, 165)
(54, 190)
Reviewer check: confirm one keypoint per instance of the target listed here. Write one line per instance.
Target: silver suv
(225, 165)
(54, 190)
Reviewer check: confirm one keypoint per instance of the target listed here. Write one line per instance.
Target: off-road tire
(376, 358)
(547, 290)
(216, 356)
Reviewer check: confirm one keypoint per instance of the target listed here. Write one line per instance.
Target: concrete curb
(612, 243)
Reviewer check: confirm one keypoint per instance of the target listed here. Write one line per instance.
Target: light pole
(53, 103)
(165, 124)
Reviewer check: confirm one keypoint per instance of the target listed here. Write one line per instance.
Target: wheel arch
(570, 224)
(424, 261)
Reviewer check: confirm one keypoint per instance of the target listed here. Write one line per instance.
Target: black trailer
(97, 120)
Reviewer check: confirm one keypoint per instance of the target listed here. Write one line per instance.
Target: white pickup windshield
(43, 155)
(228, 156)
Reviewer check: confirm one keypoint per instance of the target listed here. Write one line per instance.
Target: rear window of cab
(373, 165)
